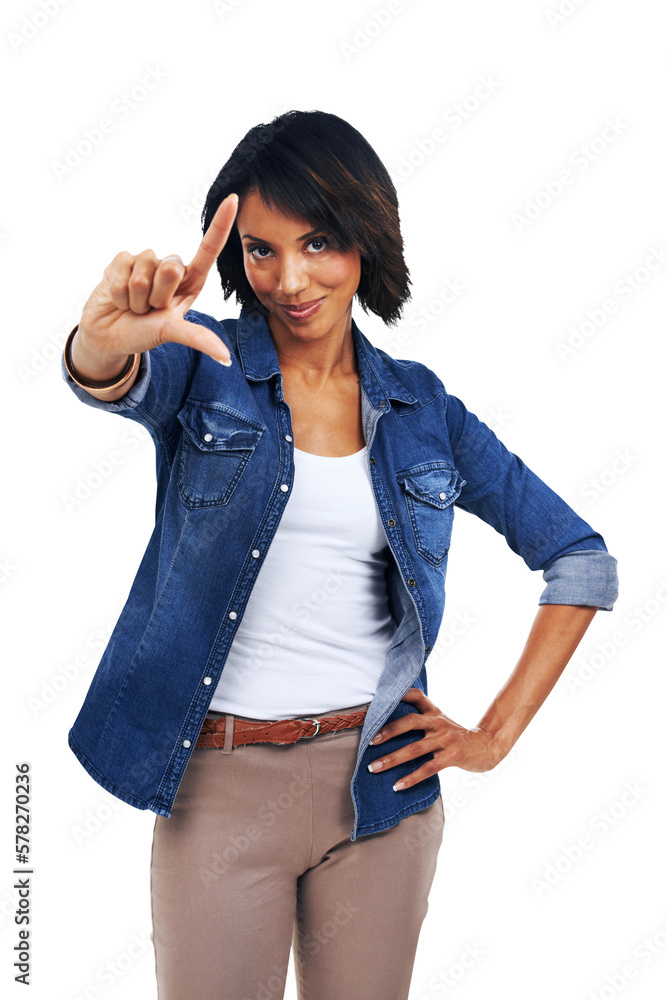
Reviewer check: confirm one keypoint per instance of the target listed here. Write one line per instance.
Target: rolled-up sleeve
(130, 400)
(536, 522)
(587, 576)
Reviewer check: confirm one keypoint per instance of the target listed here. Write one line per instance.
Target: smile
(302, 312)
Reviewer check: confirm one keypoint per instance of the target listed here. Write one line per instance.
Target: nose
(293, 276)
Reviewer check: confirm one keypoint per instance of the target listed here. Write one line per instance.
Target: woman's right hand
(141, 301)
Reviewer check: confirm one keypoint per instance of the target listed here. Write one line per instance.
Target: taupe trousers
(257, 858)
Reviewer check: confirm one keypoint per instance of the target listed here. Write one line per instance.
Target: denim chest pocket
(216, 446)
(430, 490)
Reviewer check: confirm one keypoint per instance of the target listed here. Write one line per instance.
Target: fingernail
(375, 766)
(377, 738)
(399, 784)
(227, 364)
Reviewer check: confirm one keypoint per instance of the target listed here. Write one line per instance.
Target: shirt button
(233, 615)
(391, 522)
(372, 461)
(380, 402)
(284, 487)
(208, 437)
(208, 680)
(442, 496)
(187, 743)
(288, 437)
(255, 553)
(427, 649)
(411, 582)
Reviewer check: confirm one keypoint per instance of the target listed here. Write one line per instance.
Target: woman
(334, 469)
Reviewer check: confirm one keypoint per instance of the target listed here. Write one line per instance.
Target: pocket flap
(218, 428)
(437, 484)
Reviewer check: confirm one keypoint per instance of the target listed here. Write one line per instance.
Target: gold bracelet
(103, 385)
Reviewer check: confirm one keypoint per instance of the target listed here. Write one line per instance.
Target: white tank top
(316, 628)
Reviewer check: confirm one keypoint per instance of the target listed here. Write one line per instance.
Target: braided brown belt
(212, 733)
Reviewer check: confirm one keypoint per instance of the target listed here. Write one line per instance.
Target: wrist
(102, 382)
(503, 732)
(91, 364)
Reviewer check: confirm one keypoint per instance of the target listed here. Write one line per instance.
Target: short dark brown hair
(318, 166)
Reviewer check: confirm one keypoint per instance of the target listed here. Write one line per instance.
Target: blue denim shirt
(224, 448)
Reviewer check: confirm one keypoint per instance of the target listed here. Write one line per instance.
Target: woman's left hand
(451, 744)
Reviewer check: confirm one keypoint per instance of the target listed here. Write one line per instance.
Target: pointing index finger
(214, 240)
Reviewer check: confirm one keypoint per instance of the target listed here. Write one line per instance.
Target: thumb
(200, 338)
(415, 696)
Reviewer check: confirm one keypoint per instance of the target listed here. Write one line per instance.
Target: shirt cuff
(586, 576)
(132, 397)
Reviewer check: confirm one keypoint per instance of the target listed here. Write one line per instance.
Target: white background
(590, 421)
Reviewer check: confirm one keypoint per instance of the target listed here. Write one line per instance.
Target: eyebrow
(247, 236)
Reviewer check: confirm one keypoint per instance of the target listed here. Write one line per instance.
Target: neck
(319, 360)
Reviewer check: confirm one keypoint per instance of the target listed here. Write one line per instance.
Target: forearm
(553, 638)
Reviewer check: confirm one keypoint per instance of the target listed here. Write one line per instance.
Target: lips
(303, 310)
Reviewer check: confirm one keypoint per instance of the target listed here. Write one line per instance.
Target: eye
(259, 246)
(261, 252)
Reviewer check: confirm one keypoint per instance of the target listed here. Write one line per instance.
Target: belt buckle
(317, 722)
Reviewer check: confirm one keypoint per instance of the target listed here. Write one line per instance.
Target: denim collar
(259, 360)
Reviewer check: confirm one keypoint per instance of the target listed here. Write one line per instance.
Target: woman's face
(288, 264)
